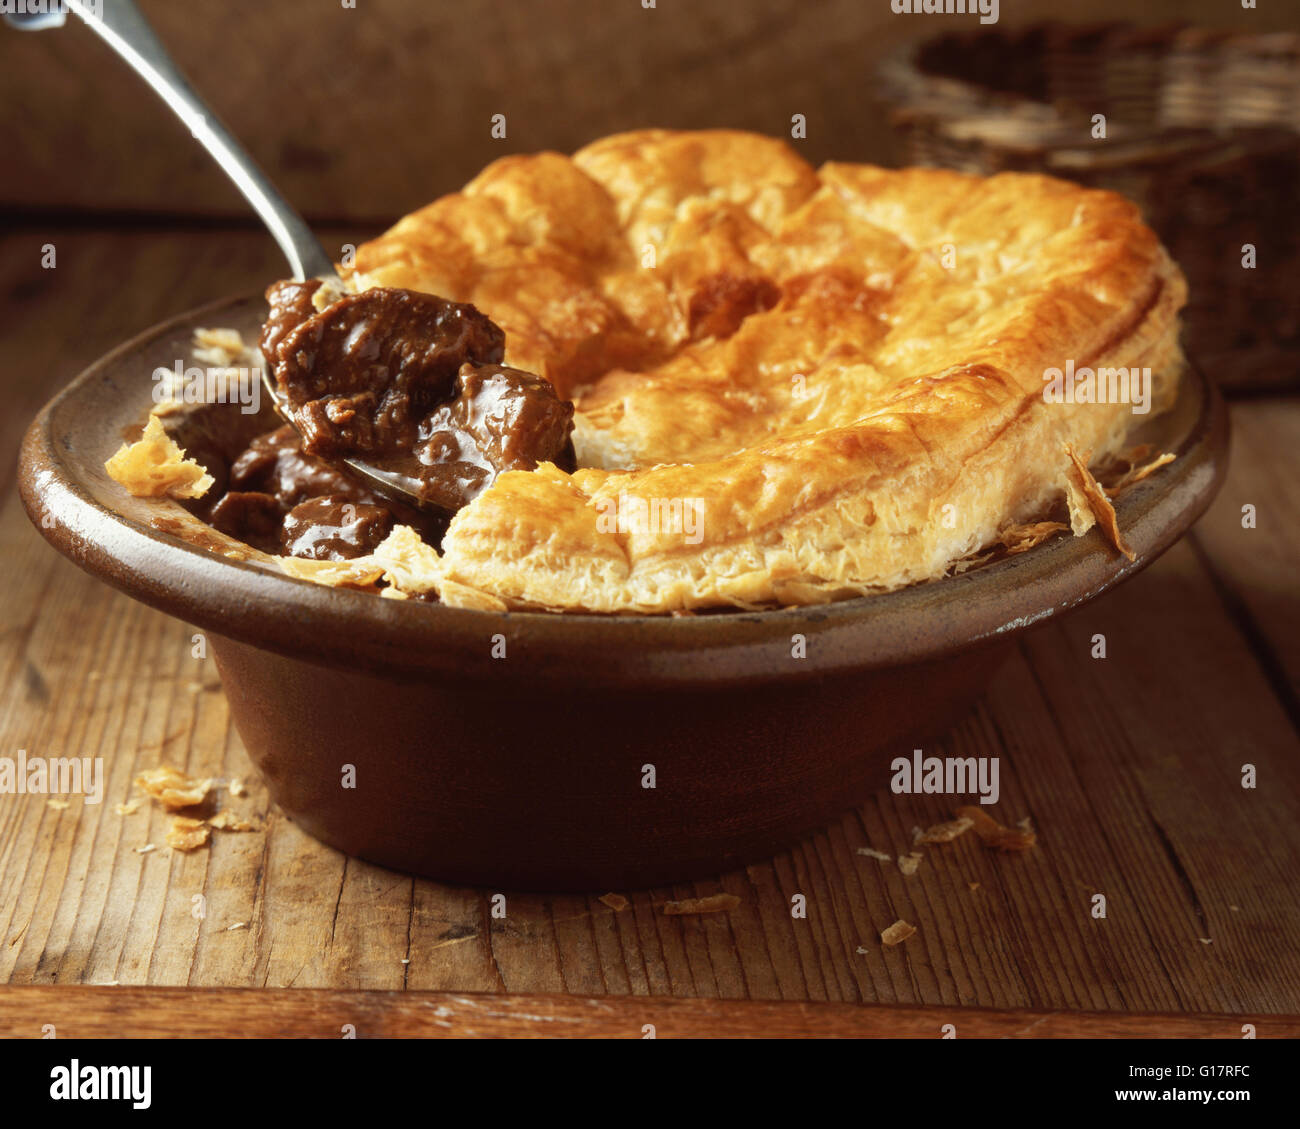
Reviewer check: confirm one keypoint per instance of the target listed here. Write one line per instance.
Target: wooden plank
(1128, 766)
(1255, 568)
(215, 1013)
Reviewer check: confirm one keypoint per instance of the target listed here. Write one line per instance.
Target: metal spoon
(120, 24)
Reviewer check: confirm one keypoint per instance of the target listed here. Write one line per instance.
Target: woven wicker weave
(1202, 131)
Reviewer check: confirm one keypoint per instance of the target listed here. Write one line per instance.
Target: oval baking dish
(514, 749)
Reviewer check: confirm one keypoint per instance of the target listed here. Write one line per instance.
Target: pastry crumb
(172, 788)
(362, 572)
(145, 849)
(155, 467)
(176, 791)
(330, 290)
(1085, 492)
(968, 563)
(410, 564)
(236, 787)
(1136, 472)
(714, 903)
(909, 863)
(186, 834)
(1022, 538)
(616, 902)
(128, 808)
(57, 805)
(228, 821)
(943, 832)
(897, 933)
(222, 347)
(456, 595)
(872, 853)
(992, 834)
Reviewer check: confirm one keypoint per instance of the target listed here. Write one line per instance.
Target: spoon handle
(120, 24)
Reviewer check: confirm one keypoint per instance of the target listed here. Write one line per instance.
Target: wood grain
(216, 1013)
(1129, 767)
(1256, 575)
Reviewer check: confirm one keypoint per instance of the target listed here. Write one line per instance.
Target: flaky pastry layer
(792, 385)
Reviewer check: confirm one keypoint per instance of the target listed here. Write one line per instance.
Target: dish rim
(922, 622)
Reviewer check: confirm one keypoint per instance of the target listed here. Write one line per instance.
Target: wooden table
(1130, 768)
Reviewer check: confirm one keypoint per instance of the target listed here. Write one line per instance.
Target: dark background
(367, 113)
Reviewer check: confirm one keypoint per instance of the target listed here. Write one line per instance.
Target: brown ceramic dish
(527, 771)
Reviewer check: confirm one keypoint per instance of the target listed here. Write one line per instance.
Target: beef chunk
(333, 527)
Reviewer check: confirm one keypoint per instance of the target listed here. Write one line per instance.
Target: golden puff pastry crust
(792, 385)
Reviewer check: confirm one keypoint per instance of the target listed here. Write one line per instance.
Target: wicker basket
(1203, 132)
